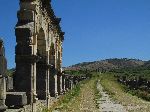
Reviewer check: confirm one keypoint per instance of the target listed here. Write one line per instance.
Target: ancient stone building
(38, 51)
(3, 68)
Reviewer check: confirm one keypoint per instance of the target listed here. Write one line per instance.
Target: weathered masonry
(3, 68)
(38, 51)
(38, 79)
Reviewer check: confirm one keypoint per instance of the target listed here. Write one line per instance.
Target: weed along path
(87, 98)
(84, 102)
(105, 95)
(106, 104)
(118, 98)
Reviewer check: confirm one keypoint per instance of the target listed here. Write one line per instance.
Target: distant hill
(146, 64)
(108, 64)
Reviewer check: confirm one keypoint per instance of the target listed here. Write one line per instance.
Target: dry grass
(132, 103)
(83, 102)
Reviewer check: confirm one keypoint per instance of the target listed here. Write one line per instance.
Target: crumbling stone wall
(38, 51)
(38, 75)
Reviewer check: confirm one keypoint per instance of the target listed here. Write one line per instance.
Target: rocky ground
(41, 104)
(27, 108)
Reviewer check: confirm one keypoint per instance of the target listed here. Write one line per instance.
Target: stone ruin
(38, 75)
(3, 68)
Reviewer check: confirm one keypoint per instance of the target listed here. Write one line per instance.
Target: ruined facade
(38, 75)
(38, 51)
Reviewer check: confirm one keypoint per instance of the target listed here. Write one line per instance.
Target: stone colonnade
(38, 56)
(64, 83)
(38, 51)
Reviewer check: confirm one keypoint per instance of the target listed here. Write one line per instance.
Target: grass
(118, 93)
(86, 91)
(85, 101)
(145, 95)
(63, 101)
(81, 98)
(97, 94)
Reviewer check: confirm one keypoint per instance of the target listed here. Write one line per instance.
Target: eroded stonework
(38, 79)
(3, 68)
(38, 51)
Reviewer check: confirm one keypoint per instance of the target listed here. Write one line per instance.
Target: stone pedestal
(3, 107)
(18, 99)
(56, 92)
(24, 80)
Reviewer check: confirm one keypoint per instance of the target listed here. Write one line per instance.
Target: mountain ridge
(109, 64)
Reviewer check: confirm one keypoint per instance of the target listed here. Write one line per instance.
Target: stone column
(33, 87)
(2, 93)
(53, 71)
(53, 83)
(70, 84)
(3, 68)
(25, 76)
(47, 80)
(63, 84)
(66, 83)
(59, 84)
(47, 87)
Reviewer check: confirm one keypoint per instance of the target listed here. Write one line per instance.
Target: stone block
(3, 107)
(9, 83)
(26, 15)
(17, 99)
(2, 94)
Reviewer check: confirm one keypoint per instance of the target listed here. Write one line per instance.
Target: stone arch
(36, 20)
(41, 65)
(52, 55)
(41, 43)
(53, 76)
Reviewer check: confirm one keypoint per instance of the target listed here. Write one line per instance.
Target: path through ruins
(106, 104)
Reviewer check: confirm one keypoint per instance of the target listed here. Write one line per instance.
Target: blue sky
(95, 29)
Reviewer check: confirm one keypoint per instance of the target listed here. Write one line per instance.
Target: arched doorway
(53, 74)
(41, 65)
